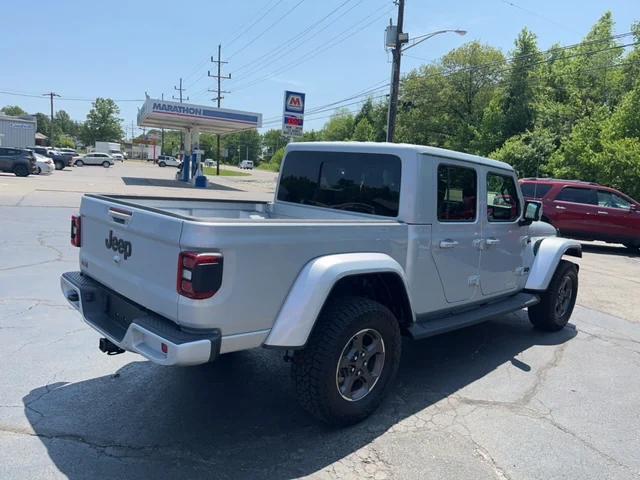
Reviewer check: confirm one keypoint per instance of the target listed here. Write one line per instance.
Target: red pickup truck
(586, 211)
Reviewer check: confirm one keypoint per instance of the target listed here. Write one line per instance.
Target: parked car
(168, 160)
(117, 156)
(95, 158)
(44, 165)
(246, 165)
(19, 161)
(587, 211)
(68, 151)
(59, 158)
(369, 242)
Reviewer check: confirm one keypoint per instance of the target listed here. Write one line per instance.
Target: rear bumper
(136, 329)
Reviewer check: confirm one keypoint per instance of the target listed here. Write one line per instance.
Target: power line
(268, 9)
(242, 31)
(289, 44)
(257, 37)
(63, 98)
(318, 50)
(536, 14)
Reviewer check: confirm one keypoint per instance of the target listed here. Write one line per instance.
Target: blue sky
(122, 49)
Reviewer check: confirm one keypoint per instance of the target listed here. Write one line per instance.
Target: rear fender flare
(548, 253)
(312, 287)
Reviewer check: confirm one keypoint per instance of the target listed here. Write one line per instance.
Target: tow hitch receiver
(108, 347)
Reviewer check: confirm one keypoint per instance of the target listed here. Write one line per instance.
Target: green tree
(272, 140)
(443, 104)
(528, 152)
(521, 85)
(242, 145)
(592, 78)
(578, 156)
(65, 141)
(43, 124)
(364, 131)
(13, 111)
(339, 127)
(103, 123)
(631, 69)
(65, 124)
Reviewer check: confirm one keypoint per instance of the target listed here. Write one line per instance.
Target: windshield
(356, 182)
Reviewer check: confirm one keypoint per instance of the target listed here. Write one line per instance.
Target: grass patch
(270, 167)
(224, 172)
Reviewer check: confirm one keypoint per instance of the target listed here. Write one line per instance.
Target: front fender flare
(548, 253)
(313, 285)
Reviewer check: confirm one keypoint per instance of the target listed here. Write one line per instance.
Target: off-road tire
(314, 368)
(162, 164)
(79, 163)
(106, 164)
(21, 170)
(545, 315)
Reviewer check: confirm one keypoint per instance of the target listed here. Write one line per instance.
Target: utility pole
(180, 90)
(400, 39)
(218, 97)
(51, 95)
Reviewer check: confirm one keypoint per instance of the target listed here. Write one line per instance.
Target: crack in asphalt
(40, 238)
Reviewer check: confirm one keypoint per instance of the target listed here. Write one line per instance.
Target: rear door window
(502, 198)
(356, 182)
(457, 193)
(535, 190)
(586, 196)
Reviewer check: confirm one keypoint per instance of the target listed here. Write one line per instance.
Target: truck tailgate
(132, 251)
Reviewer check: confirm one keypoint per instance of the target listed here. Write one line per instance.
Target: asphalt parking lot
(495, 401)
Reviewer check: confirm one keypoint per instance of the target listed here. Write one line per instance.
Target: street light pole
(400, 39)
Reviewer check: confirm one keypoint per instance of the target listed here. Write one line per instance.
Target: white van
(246, 164)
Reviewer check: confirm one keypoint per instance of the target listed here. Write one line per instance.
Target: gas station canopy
(186, 116)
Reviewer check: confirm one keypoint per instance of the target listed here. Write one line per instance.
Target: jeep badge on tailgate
(118, 245)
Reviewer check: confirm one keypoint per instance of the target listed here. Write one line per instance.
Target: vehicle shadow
(237, 418)
(618, 250)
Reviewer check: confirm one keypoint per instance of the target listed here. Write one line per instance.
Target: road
(494, 401)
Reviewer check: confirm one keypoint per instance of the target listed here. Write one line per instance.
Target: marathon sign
(293, 114)
(173, 108)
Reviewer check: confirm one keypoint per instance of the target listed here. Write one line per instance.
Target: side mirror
(633, 208)
(532, 212)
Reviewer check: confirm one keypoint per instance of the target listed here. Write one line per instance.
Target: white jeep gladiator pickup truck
(363, 243)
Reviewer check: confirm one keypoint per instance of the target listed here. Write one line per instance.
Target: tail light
(199, 274)
(76, 230)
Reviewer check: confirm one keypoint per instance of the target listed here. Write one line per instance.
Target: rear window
(535, 190)
(356, 182)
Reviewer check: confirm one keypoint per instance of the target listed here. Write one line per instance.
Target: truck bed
(208, 210)
(264, 245)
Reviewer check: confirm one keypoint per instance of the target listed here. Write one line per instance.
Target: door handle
(492, 241)
(448, 243)
(560, 208)
(602, 212)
